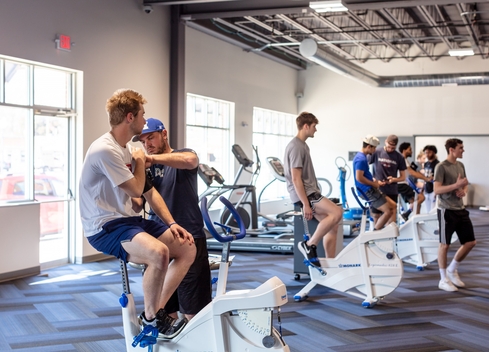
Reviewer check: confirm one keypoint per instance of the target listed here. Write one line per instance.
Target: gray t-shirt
(297, 155)
(447, 173)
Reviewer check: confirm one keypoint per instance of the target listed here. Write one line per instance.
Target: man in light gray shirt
(304, 191)
(450, 186)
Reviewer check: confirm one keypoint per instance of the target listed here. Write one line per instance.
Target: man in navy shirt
(389, 167)
(175, 178)
(365, 182)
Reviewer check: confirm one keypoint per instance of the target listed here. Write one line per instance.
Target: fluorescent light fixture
(328, 6)
(471, 77)
(461, 52)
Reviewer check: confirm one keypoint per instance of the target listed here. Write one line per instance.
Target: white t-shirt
(106, 166)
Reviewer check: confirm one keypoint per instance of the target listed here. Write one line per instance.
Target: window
(210, 133)
(272, 131)
(36, 118)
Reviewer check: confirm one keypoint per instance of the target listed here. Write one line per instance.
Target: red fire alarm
(63, 42)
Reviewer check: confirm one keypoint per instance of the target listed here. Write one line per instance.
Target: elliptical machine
(234, 321)
(274, 239)
(248, 198)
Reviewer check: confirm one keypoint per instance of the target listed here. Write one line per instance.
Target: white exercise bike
(368, 267)
(239, 320)
(418, 239)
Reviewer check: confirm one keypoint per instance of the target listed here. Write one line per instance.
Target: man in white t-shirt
(111, 176)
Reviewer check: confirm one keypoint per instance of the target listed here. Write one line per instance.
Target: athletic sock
(453, 266)
(443, 274)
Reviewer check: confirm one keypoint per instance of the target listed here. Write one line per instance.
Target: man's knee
(470, 244)
(337, 214)
(444, 247)
(159, 256)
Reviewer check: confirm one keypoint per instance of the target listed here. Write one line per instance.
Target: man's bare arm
(178, 160)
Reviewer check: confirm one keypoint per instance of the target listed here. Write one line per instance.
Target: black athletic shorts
(450, 221)
(406, 192)
(391, 196)
(195, 291)
(313, 199)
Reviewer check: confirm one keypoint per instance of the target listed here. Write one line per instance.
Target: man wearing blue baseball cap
(175, 178)
(112, 179)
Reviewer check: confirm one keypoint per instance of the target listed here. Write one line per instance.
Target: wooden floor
(75, 308)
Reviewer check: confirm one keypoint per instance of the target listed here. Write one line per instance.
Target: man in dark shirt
(389, 167)
(429, 171)
(175, 178)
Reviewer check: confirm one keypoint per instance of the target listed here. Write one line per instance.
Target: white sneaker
(455, 279)
(446, 285)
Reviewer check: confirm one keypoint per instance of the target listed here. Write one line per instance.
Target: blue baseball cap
(151, 125)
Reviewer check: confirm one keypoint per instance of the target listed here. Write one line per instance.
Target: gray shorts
(313, 199)
(375, 197)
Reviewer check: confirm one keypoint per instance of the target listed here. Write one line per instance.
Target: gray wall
(224, 71)
(116, 46)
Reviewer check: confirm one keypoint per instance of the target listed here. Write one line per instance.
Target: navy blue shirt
(385, 165)
(178, 187)
(429, 171)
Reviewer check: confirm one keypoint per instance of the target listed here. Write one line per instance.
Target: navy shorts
(391, 196)
(195, 291)
(450, 221)
(123, 230)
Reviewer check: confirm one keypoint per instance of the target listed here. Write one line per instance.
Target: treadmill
(276, 236)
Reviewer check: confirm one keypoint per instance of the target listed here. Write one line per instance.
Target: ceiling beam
(374, 34)
(248, 47)
(337, 29)
(395, 22)
(378, 5)
(472, 30)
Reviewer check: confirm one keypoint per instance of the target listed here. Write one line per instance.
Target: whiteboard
(475, 160)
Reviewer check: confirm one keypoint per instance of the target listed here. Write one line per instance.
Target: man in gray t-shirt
(304, 190)
(450, 186)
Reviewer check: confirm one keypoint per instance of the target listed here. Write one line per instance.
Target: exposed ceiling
(369, 30)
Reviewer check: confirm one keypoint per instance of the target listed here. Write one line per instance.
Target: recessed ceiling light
(461, 52)
(328, 6)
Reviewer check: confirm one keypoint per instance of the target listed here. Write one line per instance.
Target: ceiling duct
(334, 62)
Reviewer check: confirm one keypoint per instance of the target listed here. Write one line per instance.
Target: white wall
(16, 258)
(116, 46)
(220, 70)
(348, 110)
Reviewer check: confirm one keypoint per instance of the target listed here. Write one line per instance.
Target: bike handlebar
(362, 194)
(210, 225)
(413, 186)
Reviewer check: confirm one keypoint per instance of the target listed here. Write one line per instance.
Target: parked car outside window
(47, 189)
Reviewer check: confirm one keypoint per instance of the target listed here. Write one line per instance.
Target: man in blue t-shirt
(175, 178)
(365, 182)
(389, 167)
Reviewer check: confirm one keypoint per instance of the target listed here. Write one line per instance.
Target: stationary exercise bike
(418, 239)
(240, 320)
(367, 267)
